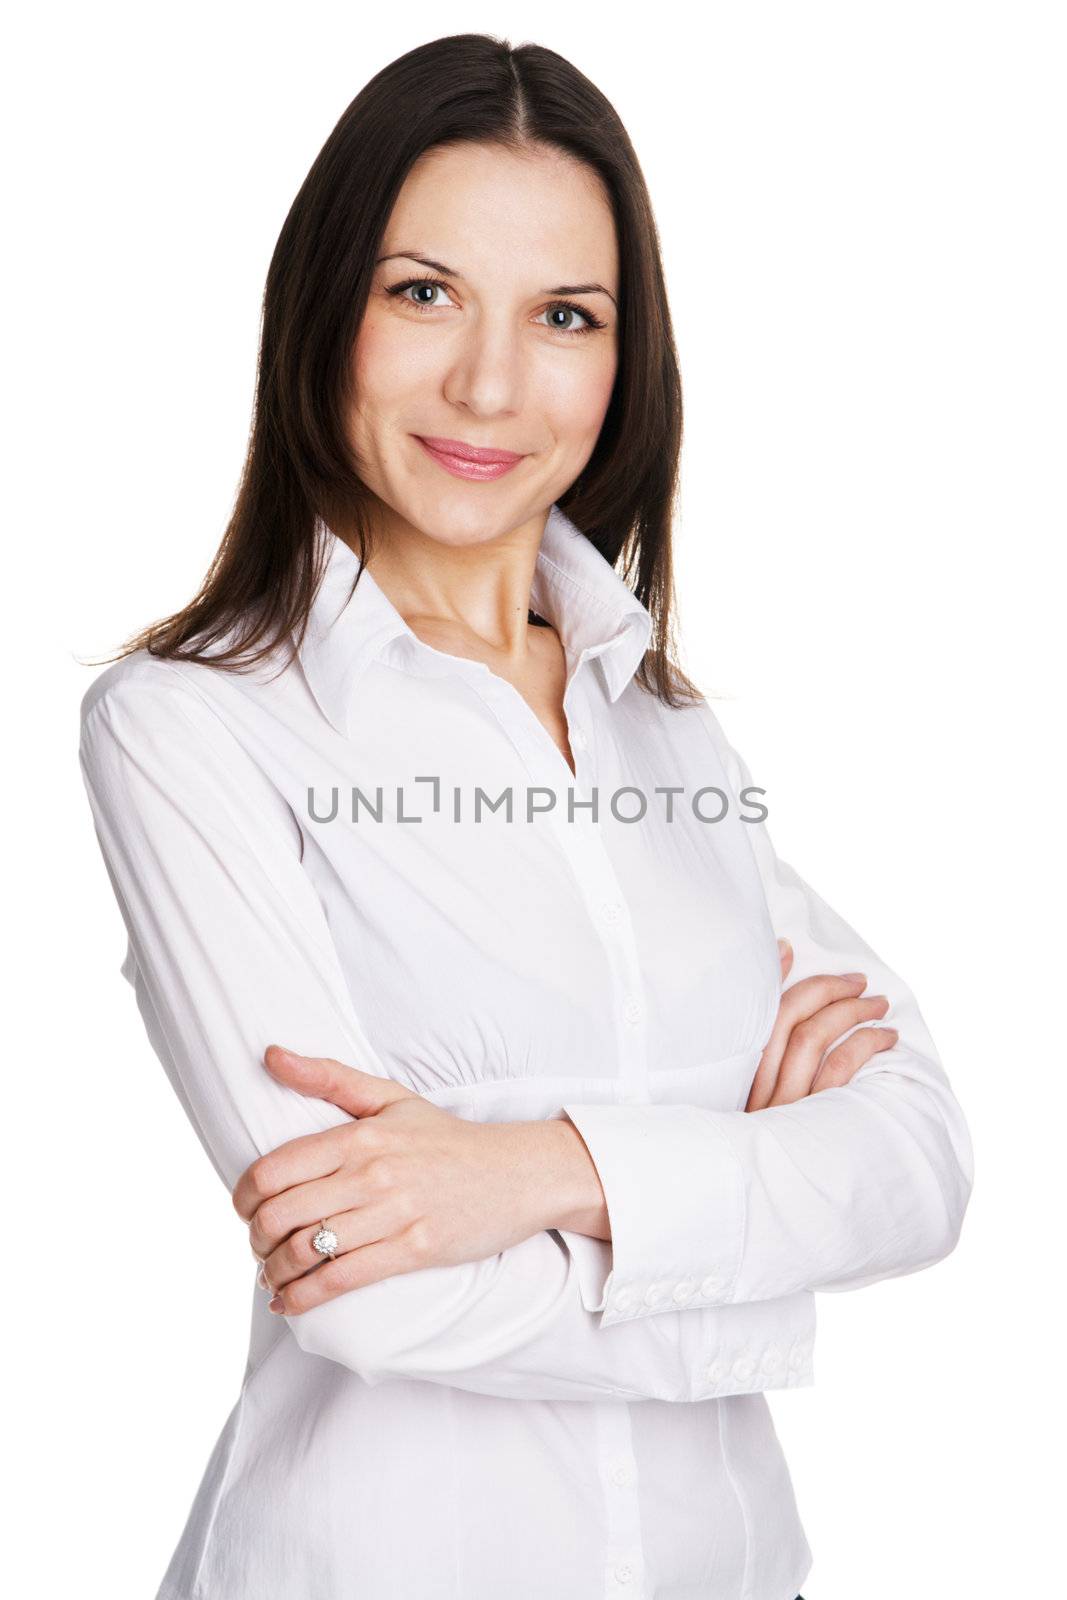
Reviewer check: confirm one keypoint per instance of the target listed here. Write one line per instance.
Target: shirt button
(624, 1572)
(715, 1370)
(612, 911)
(682, 1293)
(620, 1475)
(711, 1286)
(621, 1301)
(772, 1359)
(652, 1296)
(632, 1011)
(744, 1367)
(796, 1358)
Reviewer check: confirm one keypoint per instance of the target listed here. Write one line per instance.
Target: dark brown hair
(465, 88)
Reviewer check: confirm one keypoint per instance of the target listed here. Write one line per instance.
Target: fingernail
(854, 977)
(276, 1305)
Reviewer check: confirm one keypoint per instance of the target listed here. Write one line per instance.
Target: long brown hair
(465, 88)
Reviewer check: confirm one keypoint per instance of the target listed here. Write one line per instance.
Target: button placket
(633, 1010)
(623, 1555)
(583, 844)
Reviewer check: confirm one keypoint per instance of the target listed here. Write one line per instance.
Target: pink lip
(469, 461)
(468, 452)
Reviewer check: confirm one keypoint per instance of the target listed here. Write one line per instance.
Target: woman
(544, 1198)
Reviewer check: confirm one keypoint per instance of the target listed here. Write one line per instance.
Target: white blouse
(302, 856)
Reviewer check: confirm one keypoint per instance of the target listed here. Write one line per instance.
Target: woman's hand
(406, 1186)
(798, 1060)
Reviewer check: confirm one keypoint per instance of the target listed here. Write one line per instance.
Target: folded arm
(229, 951)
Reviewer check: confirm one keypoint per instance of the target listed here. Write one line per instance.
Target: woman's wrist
(572, 1192)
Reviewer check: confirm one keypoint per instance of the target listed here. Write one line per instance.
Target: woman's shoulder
(138, 680)
(161, 747)
(149, 699)
(141, 681)
(175, 724)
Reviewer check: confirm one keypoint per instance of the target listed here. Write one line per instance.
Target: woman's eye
(561, 318)
(425, 290)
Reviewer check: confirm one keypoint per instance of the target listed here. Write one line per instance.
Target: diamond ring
(325, 1241)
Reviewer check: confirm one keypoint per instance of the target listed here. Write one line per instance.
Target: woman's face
(497, 346)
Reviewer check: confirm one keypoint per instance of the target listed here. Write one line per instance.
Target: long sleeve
(229, 949)
(855, 1183)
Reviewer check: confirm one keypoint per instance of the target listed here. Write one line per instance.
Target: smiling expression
(491, 330)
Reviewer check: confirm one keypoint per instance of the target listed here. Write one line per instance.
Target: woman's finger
(785, 957)
(365, 1263)
(842, 1063)
(798, 1003)
(362, 1180)
(812, 1037)
(309, 1202)
(310, 1155)
(354, 1229)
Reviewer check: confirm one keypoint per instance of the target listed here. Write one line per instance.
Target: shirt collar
(574, 588)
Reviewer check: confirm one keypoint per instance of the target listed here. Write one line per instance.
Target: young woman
(414, 789)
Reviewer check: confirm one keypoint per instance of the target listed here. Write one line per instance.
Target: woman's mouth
(469, 461)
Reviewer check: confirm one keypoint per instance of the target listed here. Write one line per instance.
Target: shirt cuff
(592, 1264)
(675, 1196)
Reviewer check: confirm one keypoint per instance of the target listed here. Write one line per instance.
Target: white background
(862, 217)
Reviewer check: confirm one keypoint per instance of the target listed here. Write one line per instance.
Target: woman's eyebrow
(451, 272)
